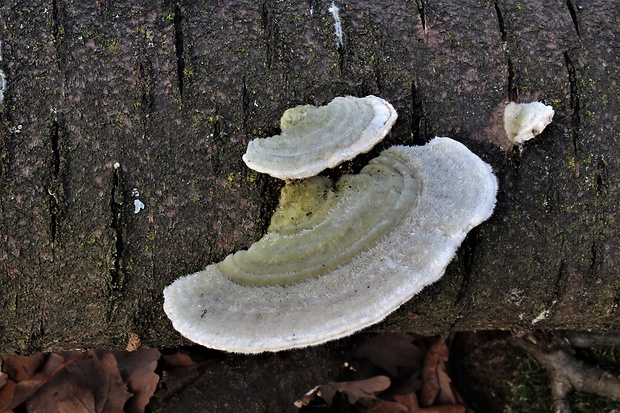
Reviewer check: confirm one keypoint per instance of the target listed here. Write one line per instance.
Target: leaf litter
(395, 373)
(388, 373)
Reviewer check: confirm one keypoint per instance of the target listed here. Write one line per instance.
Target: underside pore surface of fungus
(316, 138)
(338, 258)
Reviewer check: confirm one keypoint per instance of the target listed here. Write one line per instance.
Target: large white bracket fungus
(316, 138)
(523, 121)
(339, 258)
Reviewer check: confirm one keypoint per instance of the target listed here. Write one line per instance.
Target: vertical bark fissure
(179, 46)
(418, 116)
(573, 10)
(466, 253)
(500, 21)
(53, 187)
(593, 259)
(268, 29)
(557, 284)
(269, 197)
(513, 90)
(422, 14)
(55, 22)
(341, 61)
(575, 102)
(116, 209)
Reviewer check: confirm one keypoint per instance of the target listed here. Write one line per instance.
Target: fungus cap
(523, 121)
(339, 258)
(316, 138)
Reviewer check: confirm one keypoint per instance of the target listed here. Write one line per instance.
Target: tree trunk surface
(107, 105)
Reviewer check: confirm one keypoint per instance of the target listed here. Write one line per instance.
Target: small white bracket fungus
(316, 138)
(338, 258)
(523, 121)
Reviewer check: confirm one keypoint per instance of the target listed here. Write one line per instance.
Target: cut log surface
(123, 125)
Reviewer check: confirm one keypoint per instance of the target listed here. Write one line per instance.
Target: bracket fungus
(315, 138)
(339, 257)
(523, 121)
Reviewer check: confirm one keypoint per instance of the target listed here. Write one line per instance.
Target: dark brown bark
(173, 91)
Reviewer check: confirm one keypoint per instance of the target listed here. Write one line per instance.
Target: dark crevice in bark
(575, 102)
(500, 21)
(573, 10)
(57, 36)
(55, 22)
(557, 283)
(179, 45)
(513, 90)
(116, 209)
(418, 116)
(593, 259)
(466, 253)
(146, 86)
(422, 14)
(269, 194)
(341, 53)
(52, 190)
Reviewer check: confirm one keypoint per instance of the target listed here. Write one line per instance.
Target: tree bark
(109, 103)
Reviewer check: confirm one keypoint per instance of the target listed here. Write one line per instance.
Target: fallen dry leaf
(103, 378)
(20, 368)
(392, 351)
(96, 381)
(355, 390)
(62, 393)
(385, 406)
(6, 396)
(436, 389)
(137, 369)
(23, 381)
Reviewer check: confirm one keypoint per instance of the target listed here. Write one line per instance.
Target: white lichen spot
(137, 204)
(16, 129)
(540, 317)
(2, 85)
(333, 9)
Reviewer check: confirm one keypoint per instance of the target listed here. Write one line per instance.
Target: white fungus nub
(338, 258)
(523, 121)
